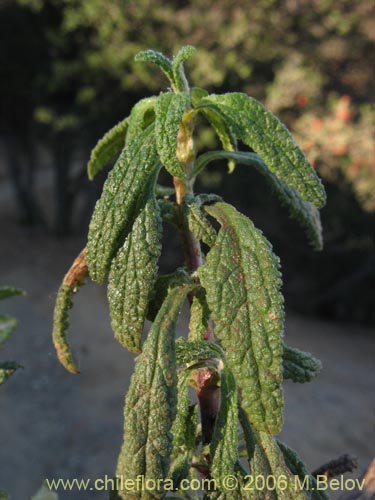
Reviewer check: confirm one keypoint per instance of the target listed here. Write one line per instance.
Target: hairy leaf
(116, 209)
(199, 316)
(259, 129)
(157, 58)
(169, 110)
(151, 402)
(72, 281)
(178, 70)
(298, 468)
(242, 282)
(199, 225)
(142, 115)
(7, 327)
(7, 368)
(300, 366)
(223, 131)
(107, 149)
(9, 291)
(303, 211)
(266, 459)
(224, 442)
(132, 276)
(163, 285)
(195, 351)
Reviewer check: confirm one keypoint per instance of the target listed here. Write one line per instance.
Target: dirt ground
(56, 425)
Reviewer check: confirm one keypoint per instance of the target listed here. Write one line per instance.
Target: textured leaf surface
(169, 110)
(133, 275)
(266, 459)
(199, 316)
(178, 70)
(151, 402)
(199, 225)
(7, 368)
(304, 212)
(7, 327)
(163, 285)
(242, 282)
(9, 291)
(107, 149)
(157, 58)
(198, 350)
(297, 467)
(300, 366)
(116, 209)
(224, 442)
(259, 129)
(72, 281)
(142, 115)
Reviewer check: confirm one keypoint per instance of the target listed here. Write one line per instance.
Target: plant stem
(206, 379)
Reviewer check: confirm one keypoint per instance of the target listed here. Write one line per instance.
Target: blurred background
(67, 75)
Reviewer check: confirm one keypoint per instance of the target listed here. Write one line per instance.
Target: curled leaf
(300, 366)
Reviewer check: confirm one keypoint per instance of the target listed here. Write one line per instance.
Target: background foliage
(71, 75)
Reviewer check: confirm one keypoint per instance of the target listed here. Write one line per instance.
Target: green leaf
(142, 115)
(163, 286)
(169, 110)
(159, 59)
(132, 276)
(151, 402)
(242, 281)
(199, 316)
(266, 460)
(7, 368)
(259, 129)
(4, 495)
(304, 212)
(107, 149)
(73, 280)
(298, 468)
(223, 131)
(224, 444)
(300, 366)
(199, 225)
(178, 70)
(196, 351)
(7, 327)
(9, 291)
(45, 494)
(118, 206)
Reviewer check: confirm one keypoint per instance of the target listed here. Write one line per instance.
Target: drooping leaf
(303, 211)
(151, 402)
(132, 276)
(72, 281)
(259, 129)
(117, 207)
(7, 368)
(45, 494)
(242, 281)
(224, 444)
(159, 59)
(169, 110)
(298, 468)
(9, 291)
(7, 327)
(163, 285)
(300, 366)
(266, 460)
(199, 316)
(107, 149)
(142, 115)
